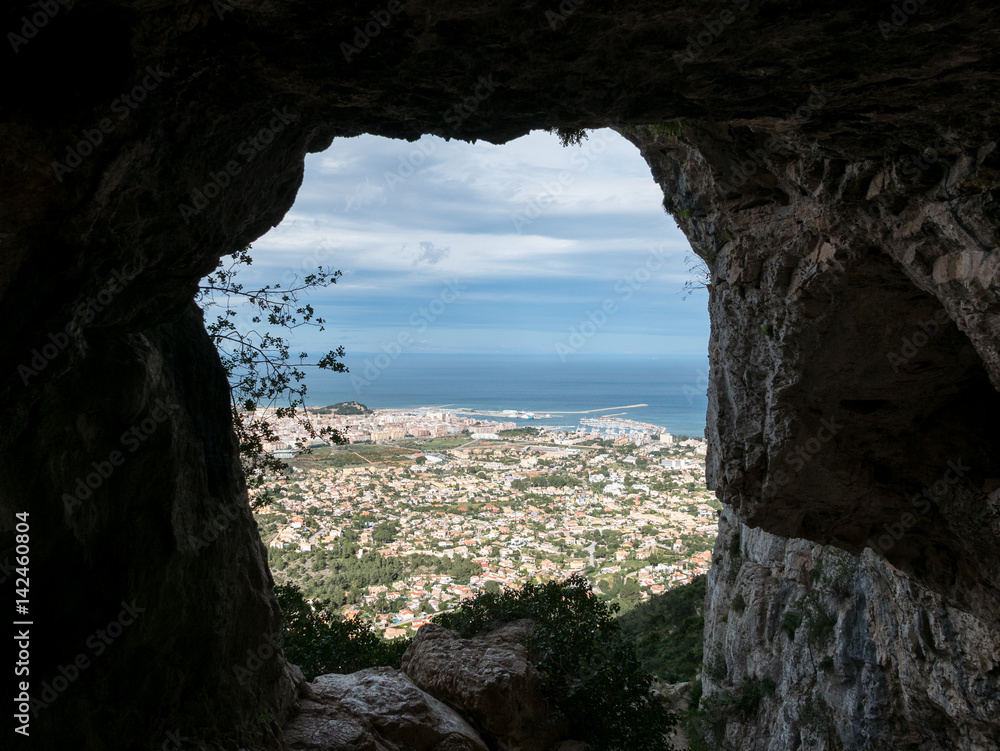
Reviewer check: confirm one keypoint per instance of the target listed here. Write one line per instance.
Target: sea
(673, 388)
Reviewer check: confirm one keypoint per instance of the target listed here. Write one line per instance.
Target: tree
(593, 673)
(320, 641)
(569, 136)
(257, 361)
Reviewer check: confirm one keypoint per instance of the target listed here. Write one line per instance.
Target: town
(424, 508)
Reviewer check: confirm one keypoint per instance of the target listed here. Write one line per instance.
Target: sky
(524, 248)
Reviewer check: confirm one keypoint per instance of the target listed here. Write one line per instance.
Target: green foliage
(593, 672)
(525, 432)
(734, 545)
(767, 329)
(547, 481)
(738, 604)
(319, 641)
(668, 631)
(820, 626)
(344, 408)
(694, 693)
(841, 577)
(385, 532)
(671, 129)
(790, 623)
(705, 722)
(745, 700)
(257, 360)
(569, 136)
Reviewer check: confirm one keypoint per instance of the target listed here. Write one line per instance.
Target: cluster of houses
(645, 505)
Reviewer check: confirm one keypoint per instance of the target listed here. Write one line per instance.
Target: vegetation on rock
(594, 674)
(319, 641)
(668, 632)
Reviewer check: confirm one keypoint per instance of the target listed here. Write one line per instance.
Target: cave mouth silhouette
(852, 178)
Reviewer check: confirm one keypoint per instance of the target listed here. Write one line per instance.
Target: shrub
(593, 673)
(319, 641)
(570, 136)
(790, 623)
(820, 626)
(734, 545)
(694, 693)
(668, 631)
(668, 129)
(745, 700)
(716, 668)
(738, 604)
(705, 722)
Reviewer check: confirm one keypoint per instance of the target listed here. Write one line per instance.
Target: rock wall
(835, 166)
(857, 654)
(149, 587)
(852, 403)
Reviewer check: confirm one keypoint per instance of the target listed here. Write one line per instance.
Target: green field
(357, 455)
(434, 444)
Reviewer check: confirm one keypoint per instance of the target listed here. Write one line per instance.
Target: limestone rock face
(860, 655)
(378, 709)
(490, 680)
(852, 398)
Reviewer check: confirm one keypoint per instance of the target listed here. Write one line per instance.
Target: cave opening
(897, 162)
(530, 281)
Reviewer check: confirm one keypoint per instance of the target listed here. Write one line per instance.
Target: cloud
(430, 254)
(537, 234)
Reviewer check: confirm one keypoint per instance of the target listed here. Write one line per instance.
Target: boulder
(378, 709)
(490, 680)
